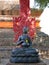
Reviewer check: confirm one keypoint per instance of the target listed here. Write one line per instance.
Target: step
(6, 33)
(6, 41)
(41, 63)
(6, 37)
(5, 52)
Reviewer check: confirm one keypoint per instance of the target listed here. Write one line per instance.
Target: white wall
(44, 21)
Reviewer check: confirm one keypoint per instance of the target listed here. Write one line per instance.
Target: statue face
(25, 30)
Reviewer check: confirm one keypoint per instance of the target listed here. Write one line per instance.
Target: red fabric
(24, 7)
(18, 26)
(23, 20)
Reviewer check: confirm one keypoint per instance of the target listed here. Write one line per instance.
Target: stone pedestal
(41, 63)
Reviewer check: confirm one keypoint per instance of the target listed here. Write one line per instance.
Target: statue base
(40, 63)
(24, 55)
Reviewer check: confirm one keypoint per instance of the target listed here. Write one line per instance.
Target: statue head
(25, 30)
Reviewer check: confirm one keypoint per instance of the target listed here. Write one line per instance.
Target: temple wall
(11, 13)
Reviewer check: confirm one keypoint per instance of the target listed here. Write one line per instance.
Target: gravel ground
(46, 61)
(5, 61)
